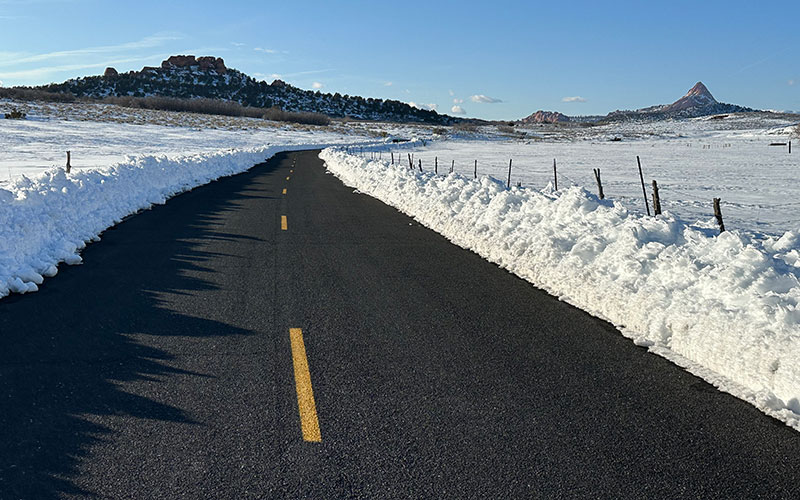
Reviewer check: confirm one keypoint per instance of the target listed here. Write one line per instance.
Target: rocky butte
(544, 117)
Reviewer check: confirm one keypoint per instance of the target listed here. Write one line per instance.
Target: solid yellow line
(305, 395)
(284, 223)
(284, 190)
(287, 178)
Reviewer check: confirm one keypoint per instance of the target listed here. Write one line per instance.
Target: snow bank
(723, 306)
(48, 219)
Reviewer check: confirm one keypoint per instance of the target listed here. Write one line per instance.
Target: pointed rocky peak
(700, 90)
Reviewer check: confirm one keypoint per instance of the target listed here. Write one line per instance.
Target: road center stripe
(305, 396)
(284, 190)
(284, 223)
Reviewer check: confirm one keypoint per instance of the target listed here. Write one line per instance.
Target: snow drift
(48, 219)
(723, 306)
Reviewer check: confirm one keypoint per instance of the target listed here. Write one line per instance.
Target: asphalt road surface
(163, 367)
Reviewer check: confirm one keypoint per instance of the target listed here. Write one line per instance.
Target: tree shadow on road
(65, 351)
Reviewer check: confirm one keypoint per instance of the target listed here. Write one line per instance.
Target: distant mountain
(544, 117)
(697, 102)
(208, 77)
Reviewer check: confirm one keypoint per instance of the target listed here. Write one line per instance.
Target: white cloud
(1, 83)
(387, 84)
(144, 43)
(576, 98)
(451, 93)
(429, 107)
(266, 51)
(237, 44)
(457, 110)
(458, 101)
(484, 98)
(317, 85)
(791, 82)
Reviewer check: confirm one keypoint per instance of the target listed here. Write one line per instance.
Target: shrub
(26, 94)
(439, 131)
(307, 118)
(15, 114)
(465, 127)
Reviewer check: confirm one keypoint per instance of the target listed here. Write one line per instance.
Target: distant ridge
(188, 77)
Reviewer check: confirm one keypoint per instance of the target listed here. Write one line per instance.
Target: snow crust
(723, 306)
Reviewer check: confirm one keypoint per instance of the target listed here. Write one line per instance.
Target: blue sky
(495, 60)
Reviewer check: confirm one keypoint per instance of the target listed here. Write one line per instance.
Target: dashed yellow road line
(287, 177)
(309, 423)
(284, 223)
(284, 190)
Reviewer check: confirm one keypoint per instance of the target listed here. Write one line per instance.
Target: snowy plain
(724, 306)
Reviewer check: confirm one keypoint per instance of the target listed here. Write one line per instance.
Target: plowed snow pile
(724, 306)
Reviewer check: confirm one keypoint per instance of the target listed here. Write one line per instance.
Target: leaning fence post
(420, 164)
(509, 173)
(718, 215)
(410, 162)
(555, 174)
(644, 191)
(69, 167)
(599, 183)
(452, 166)
(656, 199)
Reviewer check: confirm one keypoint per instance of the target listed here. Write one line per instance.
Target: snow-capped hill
(188, 77)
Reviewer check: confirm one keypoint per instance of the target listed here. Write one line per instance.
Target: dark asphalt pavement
(162, 368)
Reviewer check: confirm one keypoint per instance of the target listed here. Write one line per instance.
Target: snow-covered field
(692, 161)
(727, 306)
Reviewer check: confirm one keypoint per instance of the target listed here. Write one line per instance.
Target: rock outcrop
(545, 117)
(206, 63)
(110, 72)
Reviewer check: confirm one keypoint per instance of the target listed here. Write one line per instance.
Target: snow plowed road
(274, 334)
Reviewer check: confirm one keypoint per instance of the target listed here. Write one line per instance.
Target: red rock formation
(545, 117)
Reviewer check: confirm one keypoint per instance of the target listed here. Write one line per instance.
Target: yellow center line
(284, 190)
(284, 223)
(287, 177)
(309, 423)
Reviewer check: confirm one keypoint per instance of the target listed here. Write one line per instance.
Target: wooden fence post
(436, 165)
(509, 173)
(420, 164)
(452, 166)
(476, 169)
(392, 152)
(644, 191)
(718, 215)
(555, 174)
(599, 183)
(656, 199)
(69, 167)
(410, 162)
